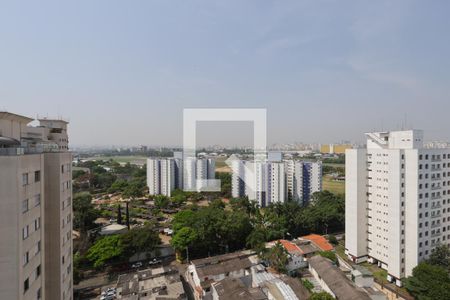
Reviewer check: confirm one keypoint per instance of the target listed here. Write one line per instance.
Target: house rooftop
(234, 289)
(336, 280)
(224, 267)
(319, 241)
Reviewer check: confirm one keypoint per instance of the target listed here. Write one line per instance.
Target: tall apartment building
(276, 181)
(312, 179)
(397, 201)
(167, 174)
(35, 209)
(162, 176)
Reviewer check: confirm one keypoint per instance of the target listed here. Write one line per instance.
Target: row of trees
(111, 177)
(218, 229)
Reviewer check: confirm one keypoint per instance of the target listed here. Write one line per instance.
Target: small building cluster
(151, 284)
(276, 180)
(164, 175)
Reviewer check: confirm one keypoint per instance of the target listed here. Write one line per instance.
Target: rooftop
(152, 284)
(234, 289)
(319, 241)
(336, 280)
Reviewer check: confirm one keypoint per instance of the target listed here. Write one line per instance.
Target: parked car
(136, 265)
(154, 262)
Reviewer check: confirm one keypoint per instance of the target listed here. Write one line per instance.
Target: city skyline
(126, 73)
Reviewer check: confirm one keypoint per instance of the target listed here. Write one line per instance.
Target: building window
(37, 200)
(37, 176)
(24, 179)
(25, 232)
(38, 247)
(38, 271)
(24, 206)
(62, 169)
(26, 258)
(39, 294)
(26, 285)
(37, 223)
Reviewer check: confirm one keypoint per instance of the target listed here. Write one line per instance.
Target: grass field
(335, 187)
(140, 160)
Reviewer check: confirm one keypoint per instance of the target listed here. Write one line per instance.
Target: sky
(123, 71)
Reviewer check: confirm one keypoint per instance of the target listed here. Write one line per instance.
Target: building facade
(397, 201)
(269, 182)
(35, 209)
(164, 175)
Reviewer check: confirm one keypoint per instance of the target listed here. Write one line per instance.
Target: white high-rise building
(276, 181)
(294, 180)
(35, 209)
(164, 175)
(397, 201)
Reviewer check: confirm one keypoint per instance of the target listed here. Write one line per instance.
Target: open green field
(335, 187)
(139, 160)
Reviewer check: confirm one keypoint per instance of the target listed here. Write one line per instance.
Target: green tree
(162, 201)
(321, 296)
(440, 256)
(184, 238)
(118, 186)
(140, 240)
(333, 240)
(277, 256)
(84, 212)
(105, 250)
(429, 282)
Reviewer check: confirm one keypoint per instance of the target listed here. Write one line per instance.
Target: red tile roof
(290, 247)
(319, 241)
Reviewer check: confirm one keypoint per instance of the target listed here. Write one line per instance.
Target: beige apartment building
(35, 209)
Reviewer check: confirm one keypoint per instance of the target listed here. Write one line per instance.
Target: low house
(278, 287)
(333, 281)
(235, 289)
(295, 254)
(202, 273)
(151, 284)
(308, 249)
(318, 241)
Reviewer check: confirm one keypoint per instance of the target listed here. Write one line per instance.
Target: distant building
(397, 205)
(276, 181)
(164, 175)
(334, 148)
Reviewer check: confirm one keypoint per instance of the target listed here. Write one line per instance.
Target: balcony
(433, 216)
(435, 178)
(11, 151)
(438, 233)
(435, 225)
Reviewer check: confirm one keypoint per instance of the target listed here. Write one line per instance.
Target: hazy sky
(122, 71)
